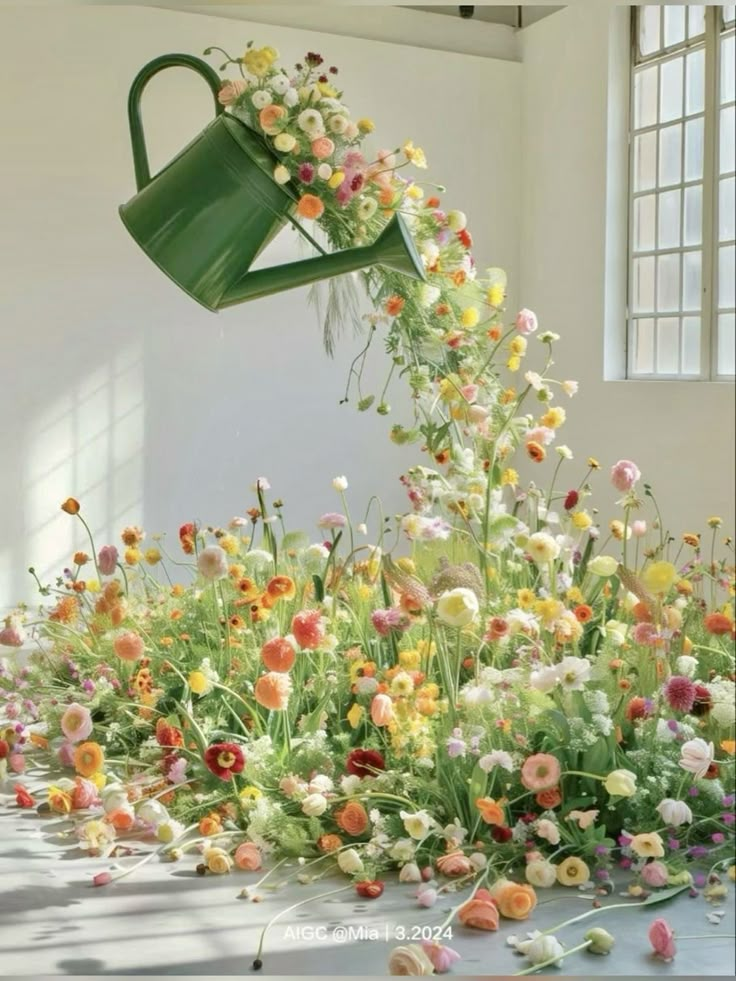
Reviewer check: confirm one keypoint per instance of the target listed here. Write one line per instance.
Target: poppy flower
(71, 505)
(186, 537)
(224, 760)
(369, 889)
(364, 762)
(22, 797)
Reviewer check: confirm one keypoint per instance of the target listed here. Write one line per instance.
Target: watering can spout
(394, 249)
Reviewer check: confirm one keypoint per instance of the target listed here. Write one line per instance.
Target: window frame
(716, 29)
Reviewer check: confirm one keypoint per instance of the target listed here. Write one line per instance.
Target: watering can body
(208, 214)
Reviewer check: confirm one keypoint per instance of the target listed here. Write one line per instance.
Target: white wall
(117, 388)
(680, 434)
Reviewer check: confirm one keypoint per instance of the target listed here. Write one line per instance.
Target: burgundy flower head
(364, 762)
(224, 759)
(571, 500)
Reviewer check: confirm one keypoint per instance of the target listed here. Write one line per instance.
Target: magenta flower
(387, 620)
(624, 475)
(305, 173)
(680, 693)
(107, 560)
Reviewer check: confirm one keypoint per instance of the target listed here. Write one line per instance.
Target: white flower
(498, 757)
(542, 548)
(724, 713)
(458, 607)
(258, 559)
(337, 124)
(152, 812)
(281, 174)
(403, 850)
(349, 784)
(664, 733)
(114, 798)
(564, 451)
(324, 172)
(534, 379)
(573, 672)
(696, 757)
(409, 961)
(570, 388)
(362, 528)
(549, 831)
(340, 483)
(410, 873)
(314, 805)
(291, 97)
(541, 948)
(457, 220)
(350, 861)
(261, 98)
(674, 812)
(169, 830)
(616, 632)
(212, 562)
(280, 84)
(603, 565)
(261, 484)
(417, 824)
(545, 679)
(321, 784)
(310, 122)
(367, 208)
(428, 295)
(686, 665)
(541, 873)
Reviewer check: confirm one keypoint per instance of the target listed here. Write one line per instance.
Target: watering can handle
(137, 139)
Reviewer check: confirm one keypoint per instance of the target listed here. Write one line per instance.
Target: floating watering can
(207, 215)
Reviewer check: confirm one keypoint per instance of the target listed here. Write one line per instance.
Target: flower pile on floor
(523, 699)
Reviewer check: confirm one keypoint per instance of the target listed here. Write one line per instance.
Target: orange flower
(269, 118)
(248, 589)
(642, 613)
(352, 819)
(459, 277)
(583, 612)
(88, 759)
(281, 587)
(248, 857)
(310, 206)
(718, 624)
(129, 646)
(168, 735)
(480, 912)
(210, 824)
(81, 558)
(515, 901)
(535, 451)
(454, 864)
(329, 843)
(132, 536)
(394, 305)
(121, 819)
(729, 746)
(277, 654)
(71, 505)
(549, 799)
(490, 811)
(272, 690)
(59, 800)
(65, 610)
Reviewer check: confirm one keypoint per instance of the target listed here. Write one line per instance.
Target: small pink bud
(427, 873)
(102, 879)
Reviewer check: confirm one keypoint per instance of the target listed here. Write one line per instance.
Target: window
(681, 306)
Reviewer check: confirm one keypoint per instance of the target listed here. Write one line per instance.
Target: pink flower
(308, 629)
(84, 794)
(540, 772)
(639, 528)
(387, 620)
(323, 147)
(305, 173)
(645, 634)
(248, 857)
(230, 91)
(655, 874)
(662, 938)
(65, 754)
(526, 321)
(332, 520)
(107, 559)
(427, 897)
(177, 772)
(17, 762)
(540, 434)
(102, 879)
(12, 636)
(76, 723)
(624, 475)
(442, 957)
(680, 693)
(382, 710)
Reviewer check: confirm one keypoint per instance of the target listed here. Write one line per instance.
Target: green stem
(288, 909)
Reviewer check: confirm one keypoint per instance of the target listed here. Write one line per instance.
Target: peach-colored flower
(514, 901)
(122, 819)
(583, 818)
(248, 857)
(307, 626)
(454, 864)
(382, 710)
(88, 759)
(329, 843)
(272, 690)
(128, 646)
(278, 655)
(352, 819)
(310, 206)
(491, 811)
(269, 119)
(231, 90)
(76, 722)
(540, 772)
(84, 794)
(480, 912)
(323, 147)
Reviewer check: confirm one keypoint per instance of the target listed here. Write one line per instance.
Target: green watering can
(207, 215)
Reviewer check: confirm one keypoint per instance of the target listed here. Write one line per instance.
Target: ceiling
(510, 15)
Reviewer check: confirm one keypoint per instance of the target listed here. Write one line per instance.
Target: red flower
(703, 701)
(718, 624)
(466, 238)
(4, 749)
(501, 835)
(571, 500)
(369, 889)
(168, 735)
(22, 797)
(224, 759)
(186, 537)
(364, 762)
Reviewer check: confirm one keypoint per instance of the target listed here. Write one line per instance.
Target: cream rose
(458, 607)
(409, 961)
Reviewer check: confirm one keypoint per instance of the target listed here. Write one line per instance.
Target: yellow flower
(620, 783)
(177, 589)
(581, 520)
(658, 577)
(514, 363)
(427, 649)
(496, 296)
(526, 598)
(93, 586)
(715, 522)
(199, 683)
(470, 317)
(152, 556)
(430, 690)
(415, 155)
(259, 60)
(618, 529)
(406, 565)
(647, 845)
(229, 543)
(98, 779)
(365, 592)
(402, 684)
(409, 660)
(336, 180)
(327, 90)
(59, 800)
(250, 793)
(574, 595)
(518, 346)
(549, 610)
(510, 476)
(355, 715)
(554, 417)
(218, 861)
(366, 125)
(593, 463)
(414, 192)
(572, 872)
(133, 556)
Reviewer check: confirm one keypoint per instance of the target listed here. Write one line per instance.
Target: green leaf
(663, 894)
(295, 541)
(477, 788)
(319, 588)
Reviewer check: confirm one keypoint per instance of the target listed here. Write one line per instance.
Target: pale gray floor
(164, 919)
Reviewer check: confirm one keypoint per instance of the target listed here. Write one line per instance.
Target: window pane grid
(672, 197)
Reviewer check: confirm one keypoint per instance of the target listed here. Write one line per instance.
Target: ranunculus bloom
(352, 819)
(350, 861)
(84, 794)
(269, 118)
(514, 901)
(128, 646)
(549, 799)
(620, 783)
(277, 654)
(526, 321)
(480, 912)
(718, 624)
(272, 690)
(217, 861)
(88, 759)
(364, 762)
(409, 961)
(76, 722)
(310, 206)
(369, 888)
(224, 759)
(442, 957)
(454, 864)
(71, 505)
(323, 147)
(231, 90)
(248, 857)
(540, 772)
(541, 873)
(696, 756)
(22, 797)
(307, 626)
(674, 812)
(12, 635)
(458, 607)
(624, 475)
(382, 710)
(107, 560)
(655, 874)
(662, 939)
(213, 563)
